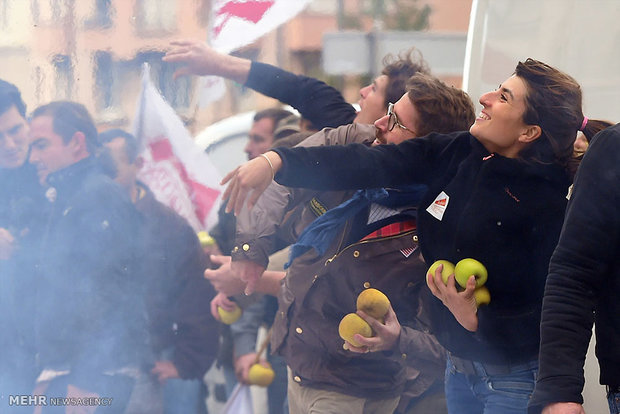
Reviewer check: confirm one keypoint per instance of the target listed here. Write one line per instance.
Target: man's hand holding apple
(386, 335)
(223, 302)
(242, 366)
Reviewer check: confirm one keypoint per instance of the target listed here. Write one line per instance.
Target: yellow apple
(229, 317)
(374, 303)
(482, 296)
(261, 375)
(353, 324)
(467, 267)
(448, 269)
(205, 239)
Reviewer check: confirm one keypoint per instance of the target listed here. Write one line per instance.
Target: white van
(224, 141)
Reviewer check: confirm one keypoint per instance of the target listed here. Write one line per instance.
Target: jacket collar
(68, 180)
(517, 167)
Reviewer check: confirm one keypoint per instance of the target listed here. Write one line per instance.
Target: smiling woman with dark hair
(496, 194)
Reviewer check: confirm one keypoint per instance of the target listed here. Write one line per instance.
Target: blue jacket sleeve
(316, 101)
(357, 166)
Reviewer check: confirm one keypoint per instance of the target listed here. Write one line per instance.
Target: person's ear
(78, 143)
(530, 134)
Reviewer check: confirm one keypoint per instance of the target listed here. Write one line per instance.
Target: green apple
(448, 269)
(467, 267)
(482, 296)
(229, 317)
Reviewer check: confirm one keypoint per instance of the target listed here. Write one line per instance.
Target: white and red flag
(236, 23)
(240, 401)
(178, 172)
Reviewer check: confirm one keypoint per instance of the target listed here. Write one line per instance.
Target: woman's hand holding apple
(461, 304)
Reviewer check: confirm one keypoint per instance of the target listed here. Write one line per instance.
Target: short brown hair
(442, 108)
(399, 69)
(68, 118)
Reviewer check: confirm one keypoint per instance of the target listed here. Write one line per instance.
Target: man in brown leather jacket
(368, 250)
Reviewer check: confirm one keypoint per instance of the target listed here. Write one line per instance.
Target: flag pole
(146, 73)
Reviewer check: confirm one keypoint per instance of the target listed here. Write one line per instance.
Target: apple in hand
(448, 269)
(261, 375)
(482, 296)
(229, 317)
(205, 239)
(353, 324)
(467, 267)
(374, 303)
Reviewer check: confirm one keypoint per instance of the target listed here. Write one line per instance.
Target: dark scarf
(320, 233)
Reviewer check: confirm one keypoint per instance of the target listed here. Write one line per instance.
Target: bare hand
(7, 244)
(564, 408)
(386, 335)
(249, 273)
(249, 181)
(75, 392)
(243, 365)
(40, 389)
(223, 302)
(461, 304)
(165, 370)
(200, 59)
(223, 279)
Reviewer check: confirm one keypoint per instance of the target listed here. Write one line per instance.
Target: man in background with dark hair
(181, 328)
(260, 139)
(90, 324)
(21, 200)
(238, 340)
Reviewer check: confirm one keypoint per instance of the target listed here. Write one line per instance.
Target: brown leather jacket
(318, 291)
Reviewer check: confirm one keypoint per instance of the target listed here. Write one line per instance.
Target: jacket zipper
(331, 259)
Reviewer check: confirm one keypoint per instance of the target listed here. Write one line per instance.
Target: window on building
(48, 11)
(101, 16)
(176, 92)
(5, 8)
(104, 81)
(155, 16)
(64, 76)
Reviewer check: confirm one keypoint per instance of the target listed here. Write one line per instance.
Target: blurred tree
(387, 14)
(406, 15)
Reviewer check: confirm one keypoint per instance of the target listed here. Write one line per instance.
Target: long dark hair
(553, 102)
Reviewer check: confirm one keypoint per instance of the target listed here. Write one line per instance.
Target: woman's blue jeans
(480, 392)
(613, 398)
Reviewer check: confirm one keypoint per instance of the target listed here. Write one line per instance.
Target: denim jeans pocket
(514, 386)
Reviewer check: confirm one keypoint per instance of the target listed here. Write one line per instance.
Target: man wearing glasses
(367, 242)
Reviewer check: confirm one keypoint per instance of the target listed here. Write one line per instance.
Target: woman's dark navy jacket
(503, 212)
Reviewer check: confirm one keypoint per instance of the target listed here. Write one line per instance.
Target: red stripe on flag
(203, 198)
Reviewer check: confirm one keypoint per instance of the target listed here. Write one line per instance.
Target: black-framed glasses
(393, 119)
